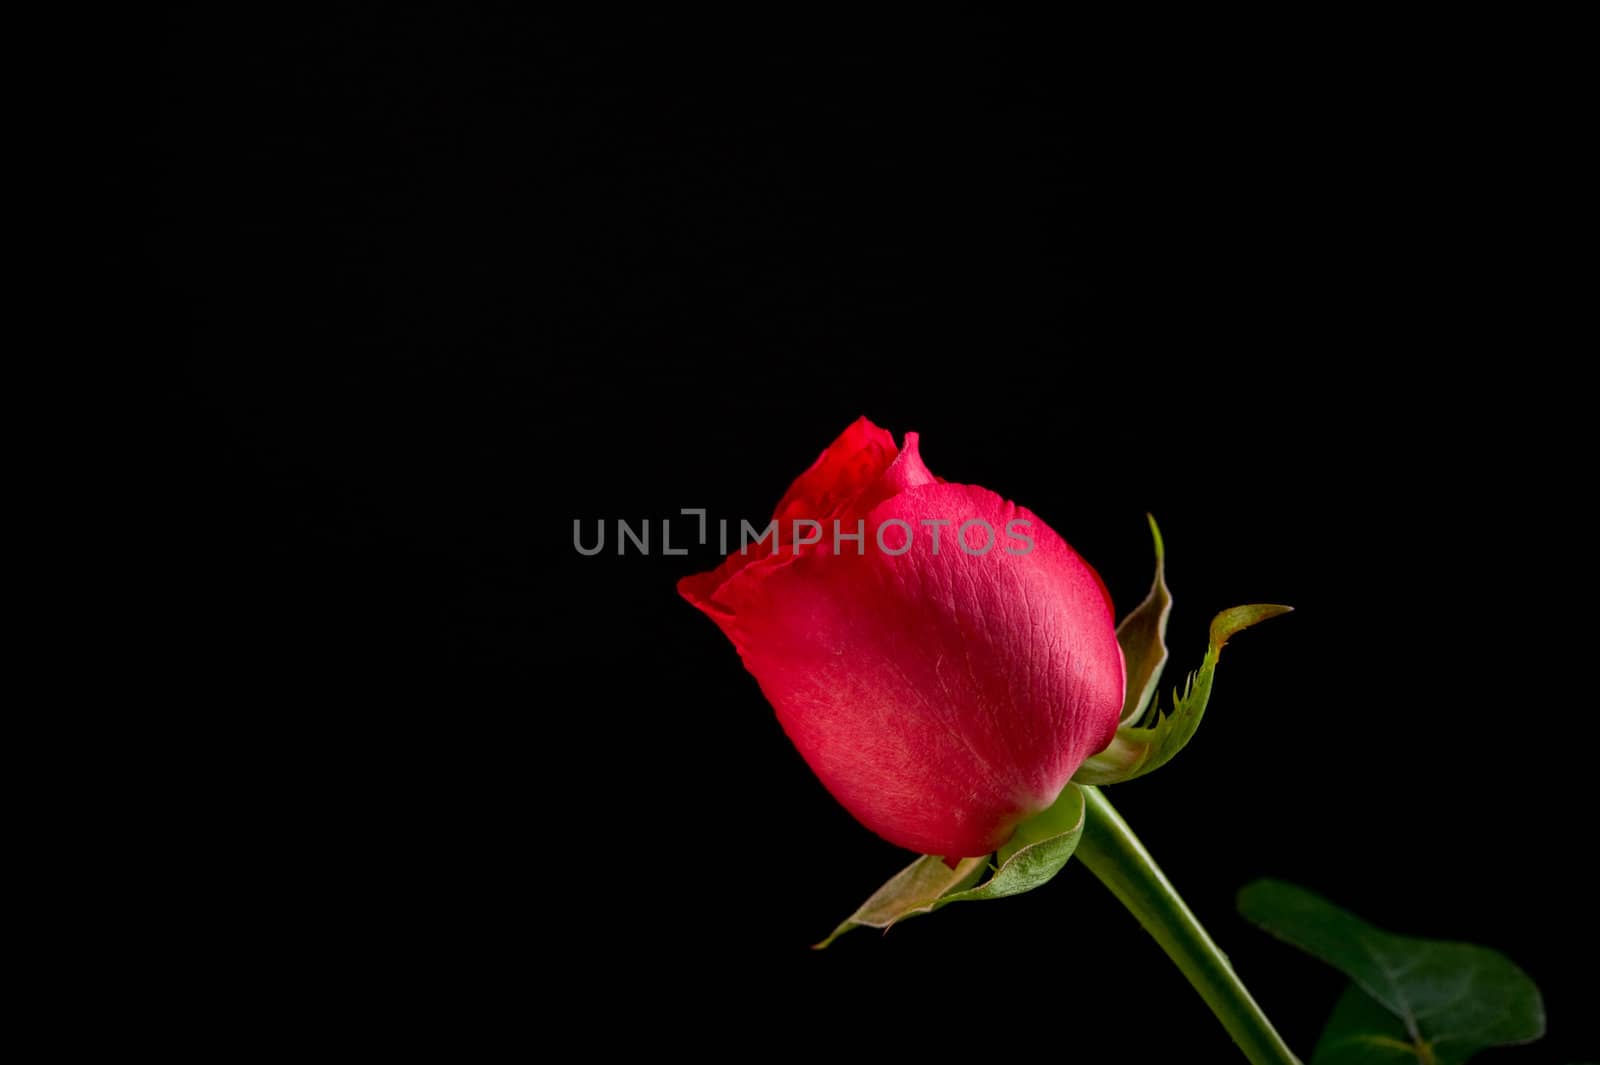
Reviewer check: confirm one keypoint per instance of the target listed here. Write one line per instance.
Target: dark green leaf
(1136, 751)
(1451, 1000)
(1037, 852)
(1143, 636)
(1361, 1032)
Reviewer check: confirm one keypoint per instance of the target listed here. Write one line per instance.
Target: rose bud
(945, 673)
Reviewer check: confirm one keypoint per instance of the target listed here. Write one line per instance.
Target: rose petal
(849, 466)
(856, 472)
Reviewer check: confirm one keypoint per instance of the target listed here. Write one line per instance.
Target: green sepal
(1143, 638)
(1036, 852)
(1137, 750)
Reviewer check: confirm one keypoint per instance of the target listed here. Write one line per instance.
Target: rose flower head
(941, 658)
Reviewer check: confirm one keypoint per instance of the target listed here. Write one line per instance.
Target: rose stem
(1114, 854)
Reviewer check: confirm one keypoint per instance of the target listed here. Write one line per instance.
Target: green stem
(1114, 854)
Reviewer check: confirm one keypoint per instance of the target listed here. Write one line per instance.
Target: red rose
(946, 673)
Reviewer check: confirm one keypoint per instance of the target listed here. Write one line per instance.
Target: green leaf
(1450, 1000)
(1136, 751)
(1361, 1032)
(1035, 853)
(1143, 636)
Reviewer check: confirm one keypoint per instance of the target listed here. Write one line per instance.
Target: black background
(447, 283)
